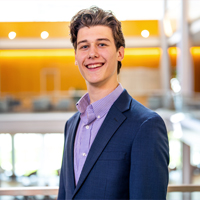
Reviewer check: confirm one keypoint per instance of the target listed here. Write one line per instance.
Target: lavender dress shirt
(91, 119)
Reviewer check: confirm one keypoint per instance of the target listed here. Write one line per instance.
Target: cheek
(79, 58)
(111, 55)
(80, 67)
(105, 54)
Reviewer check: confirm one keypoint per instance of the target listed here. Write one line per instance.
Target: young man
(115, 148)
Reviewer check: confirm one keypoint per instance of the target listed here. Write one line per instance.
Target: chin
(94, 83)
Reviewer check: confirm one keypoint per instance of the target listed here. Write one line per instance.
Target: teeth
(94, 66)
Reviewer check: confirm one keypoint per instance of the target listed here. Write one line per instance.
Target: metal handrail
(183, 188)
(28, 191)
(32, 191)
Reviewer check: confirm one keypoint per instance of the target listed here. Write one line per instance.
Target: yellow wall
(145, 57)
(134, 28)
(61, 29)
(34, 29)
(20, 70)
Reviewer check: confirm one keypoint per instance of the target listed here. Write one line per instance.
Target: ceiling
(63, 10)
(31, 12)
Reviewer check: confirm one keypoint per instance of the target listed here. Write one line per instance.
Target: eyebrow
(99, 39)
(82, 41)
(106, 39)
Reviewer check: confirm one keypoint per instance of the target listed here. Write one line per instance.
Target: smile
(93, 66)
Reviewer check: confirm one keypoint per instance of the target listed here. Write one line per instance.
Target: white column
(184, 62)
(13, 156)
(164, 64)
(186, 169)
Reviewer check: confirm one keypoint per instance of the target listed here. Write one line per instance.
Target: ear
(75, 58)
(120, 54)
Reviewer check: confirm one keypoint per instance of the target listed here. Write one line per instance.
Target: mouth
(94, 66)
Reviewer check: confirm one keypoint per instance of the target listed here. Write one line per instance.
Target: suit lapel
(113, 120)
(70, 152)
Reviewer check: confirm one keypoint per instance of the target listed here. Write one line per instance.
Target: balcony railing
(28, 191)
(32, 191)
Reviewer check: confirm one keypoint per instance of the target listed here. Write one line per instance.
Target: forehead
(95, 33)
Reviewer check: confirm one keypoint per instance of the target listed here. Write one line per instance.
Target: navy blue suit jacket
(127, 160)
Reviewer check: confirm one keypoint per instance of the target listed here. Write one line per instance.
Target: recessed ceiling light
(12, 35)
(44, 35)
(145, 33)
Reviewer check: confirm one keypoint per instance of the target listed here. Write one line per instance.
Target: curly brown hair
(93, 17)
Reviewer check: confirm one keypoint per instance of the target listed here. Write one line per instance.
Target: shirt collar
(83, 103)
(102, 106)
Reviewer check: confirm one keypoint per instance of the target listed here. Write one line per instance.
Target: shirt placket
(84, 145)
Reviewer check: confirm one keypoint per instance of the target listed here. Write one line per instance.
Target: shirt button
(87, 127)
(84, 154)
(98, 116)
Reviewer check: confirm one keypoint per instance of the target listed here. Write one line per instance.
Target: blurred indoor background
(40, 84)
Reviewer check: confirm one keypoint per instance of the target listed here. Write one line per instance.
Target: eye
(84, 47)
(102, 44)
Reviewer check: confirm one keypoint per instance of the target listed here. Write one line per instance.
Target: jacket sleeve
(61, 191)
(149, 161)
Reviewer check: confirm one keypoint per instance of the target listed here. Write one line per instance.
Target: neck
(98, 92)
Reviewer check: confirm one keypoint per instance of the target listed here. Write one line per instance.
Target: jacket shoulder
(73, 117)
(136, 110)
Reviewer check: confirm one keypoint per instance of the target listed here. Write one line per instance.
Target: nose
(93, 52)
